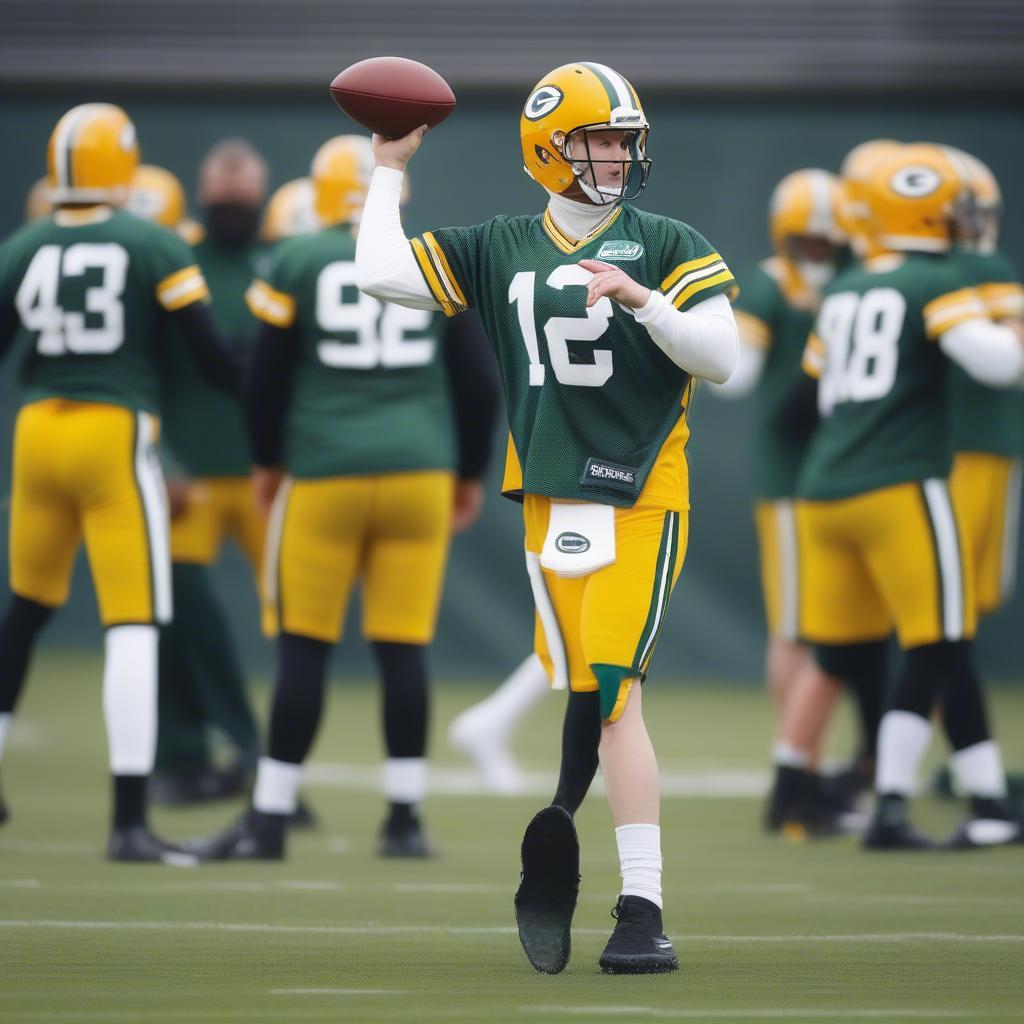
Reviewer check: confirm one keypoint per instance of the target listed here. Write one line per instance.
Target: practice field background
(765, 929)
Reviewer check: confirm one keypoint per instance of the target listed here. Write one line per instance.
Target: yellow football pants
(780, 566)
(391, 532)
(894, 557)
(83, 469)
(612, 618)
(986, 490)
(219, 508)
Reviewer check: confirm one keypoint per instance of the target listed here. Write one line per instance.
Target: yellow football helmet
(911, 197)
(290, 212)
(340, 174)
(92, 155)
(38, 203)
(156, 195)
(852, 213)
(562, 109)
(978, 219)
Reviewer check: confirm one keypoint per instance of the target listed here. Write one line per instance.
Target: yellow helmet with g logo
(911, 196)
(290, 212)
(156, 195)
(805, 203)
(854, 173)
(92, 155)
(340, 174)
(563, 108)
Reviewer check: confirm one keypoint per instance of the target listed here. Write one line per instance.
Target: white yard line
(337, 991)
(657, 1013)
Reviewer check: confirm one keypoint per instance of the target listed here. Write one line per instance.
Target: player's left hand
(615, 283)
(469, 502)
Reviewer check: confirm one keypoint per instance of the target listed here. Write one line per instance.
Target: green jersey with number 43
(884, 381)
(597, 411)
(369, 393)
(90, 288)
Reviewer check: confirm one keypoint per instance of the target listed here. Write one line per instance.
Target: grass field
(765, 930)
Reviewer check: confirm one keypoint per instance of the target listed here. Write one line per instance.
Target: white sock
(978, 770)
(902, 741)
(502, 711)
(640, 861)
(405, 779)
(129, 698)
(277, 786)
(5, 724)
(786, 756)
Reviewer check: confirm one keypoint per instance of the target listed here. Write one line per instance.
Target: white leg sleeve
(129, 698)
(277, 787)
(902, 741)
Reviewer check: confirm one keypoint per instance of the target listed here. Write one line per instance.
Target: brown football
(392, 95)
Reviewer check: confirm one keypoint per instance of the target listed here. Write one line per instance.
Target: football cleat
(136, 844)
(549, 886)
(255, 836)
(404, 838)
(890, 830)
(798, 809)
(991, 823)
(638, 944)
(304, 817)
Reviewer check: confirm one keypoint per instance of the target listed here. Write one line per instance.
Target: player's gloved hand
(615, 283)
(396, 153)
(265, 484)
(179, 495)
(469, 502)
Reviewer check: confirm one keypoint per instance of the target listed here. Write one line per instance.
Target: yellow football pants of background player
(891, 557)
(598, 632)
(780, 566)
(84, 469)
(986, 490)
(390, 531)
(219, 507)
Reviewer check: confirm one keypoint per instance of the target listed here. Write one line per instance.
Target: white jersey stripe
(664, 583)
(624, 98)
(940, 511)
(1011, 530)
(158, 525)
(549, 622)
(789, 569)
(695, 275)
(65, 140)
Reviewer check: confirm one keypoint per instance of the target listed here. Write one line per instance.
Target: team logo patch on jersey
(609, 474)
(542, 102)
(572, 543)
(915, 182)
(620, 249)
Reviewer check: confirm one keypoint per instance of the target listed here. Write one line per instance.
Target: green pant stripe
(654, 610)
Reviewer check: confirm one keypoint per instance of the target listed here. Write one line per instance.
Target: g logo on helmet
(542, 102)
(915, 182)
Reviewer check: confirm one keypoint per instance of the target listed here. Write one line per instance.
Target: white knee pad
(129, 698)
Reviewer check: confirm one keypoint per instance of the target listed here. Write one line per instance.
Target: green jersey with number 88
(369, 393)
(90, 288)
(597, 411)
(884, 381)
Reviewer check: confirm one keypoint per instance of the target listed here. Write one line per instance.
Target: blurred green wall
(714, 166)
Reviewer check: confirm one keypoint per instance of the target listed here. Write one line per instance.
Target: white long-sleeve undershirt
(991, 353)
(703, 341)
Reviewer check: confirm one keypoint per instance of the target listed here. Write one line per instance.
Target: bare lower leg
(809, 710)
(629, 766)
(785, 660)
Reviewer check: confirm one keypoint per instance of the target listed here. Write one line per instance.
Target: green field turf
(765, 930)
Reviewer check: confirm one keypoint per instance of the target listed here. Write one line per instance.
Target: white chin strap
(600, 196)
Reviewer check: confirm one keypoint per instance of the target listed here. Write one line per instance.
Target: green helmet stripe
(599, 72)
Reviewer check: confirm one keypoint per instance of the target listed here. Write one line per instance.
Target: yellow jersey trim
(269, 305)
(686, 268)
(444, 270)
(442, 297)
(683, 295)
(564, 243)
(1003, 300)
(951, 309)
(182, 288)
(813, 361)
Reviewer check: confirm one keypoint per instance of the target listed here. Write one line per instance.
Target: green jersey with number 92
(90, 288)
(884, 381)
(593, 404)
(370, 392)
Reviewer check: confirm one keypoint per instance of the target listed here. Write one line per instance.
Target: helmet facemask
(585, 149)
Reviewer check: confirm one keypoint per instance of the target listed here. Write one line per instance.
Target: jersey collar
(73, 218)
(564, 243)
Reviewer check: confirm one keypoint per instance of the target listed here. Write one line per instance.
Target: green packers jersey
(592, 402)
(884, 391)
(90, 288)
(988, 419)
(370, 391)
(768, 319)
(204, 427)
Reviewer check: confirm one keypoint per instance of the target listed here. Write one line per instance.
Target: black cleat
(136, 844)
(549, 885)
(638, 945)
(255, 836)
(185, 789)
(890, 830)
(404, 838)
(304, 817)
(798, 808)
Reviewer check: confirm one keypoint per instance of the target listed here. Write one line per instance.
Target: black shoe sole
(915, 842)
(546, 898)
(638, 964)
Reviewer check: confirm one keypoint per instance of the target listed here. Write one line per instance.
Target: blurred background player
(369, 469)
(85, 293)
(774, 313)
(289, 212)
(880, 538)
(37, 202)
(203, 687)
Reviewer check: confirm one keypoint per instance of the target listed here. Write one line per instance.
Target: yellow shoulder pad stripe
(951, 309)
(441, 297)
(269, 305)
(753, 330)
(444, 270)
(685, 268)
(813, 361)
(1003, 300)
(182, 288)
(687, 293)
